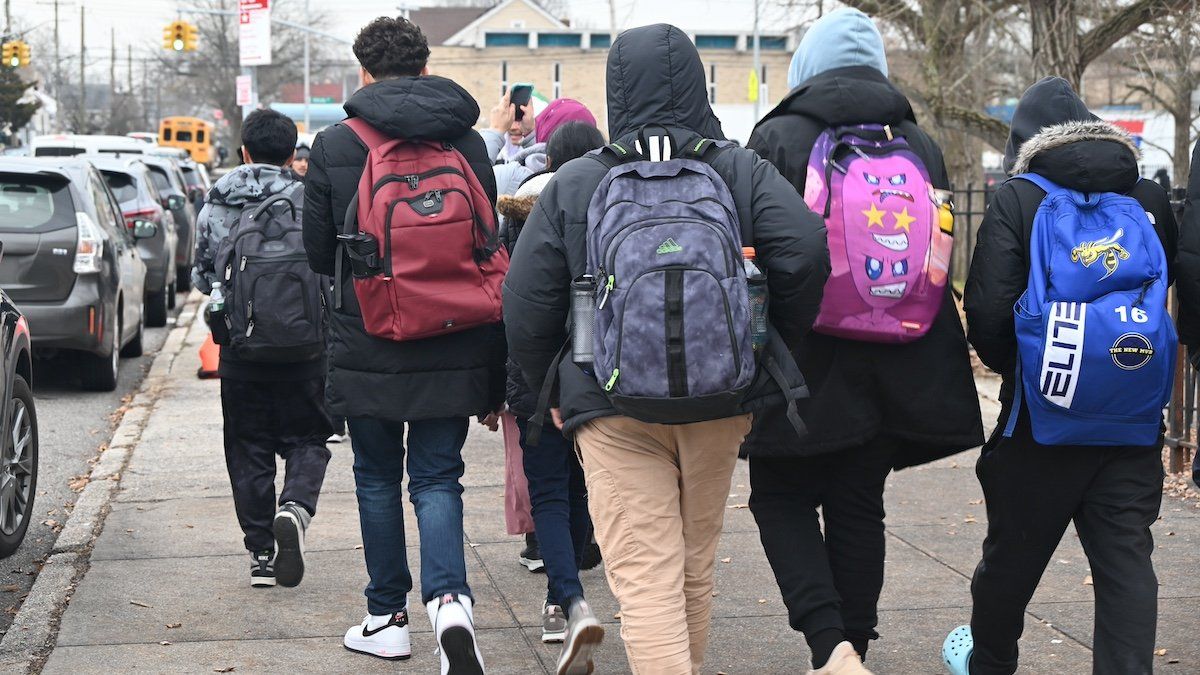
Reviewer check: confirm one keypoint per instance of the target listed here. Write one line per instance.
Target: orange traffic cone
(210, 358)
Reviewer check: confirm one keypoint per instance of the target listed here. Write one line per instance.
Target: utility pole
(757, 67)
(82, 77)
(612, 18)
(7, 16)
(129, 66)
(307, 76)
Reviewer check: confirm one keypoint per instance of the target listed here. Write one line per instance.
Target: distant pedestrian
(300, 161)
(409, 368)
(1066, 299)
(531, 158)
(659, 401)
(1186, 282)
(556, 487)
(883, 395)
(272, 365)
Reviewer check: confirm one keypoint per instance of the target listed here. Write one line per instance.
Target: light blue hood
(842, 38)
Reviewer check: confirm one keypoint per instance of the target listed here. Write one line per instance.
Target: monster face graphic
(887, 228)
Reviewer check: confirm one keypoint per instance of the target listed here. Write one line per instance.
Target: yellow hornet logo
(1106, 249)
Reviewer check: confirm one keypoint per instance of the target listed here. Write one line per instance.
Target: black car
(131, 183)
(170, 183)
(71, 263)
(18, 431)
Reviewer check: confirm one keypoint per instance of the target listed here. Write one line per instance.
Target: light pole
(307, 77)
(757, 67)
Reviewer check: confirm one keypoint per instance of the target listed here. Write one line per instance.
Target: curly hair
(389, 47)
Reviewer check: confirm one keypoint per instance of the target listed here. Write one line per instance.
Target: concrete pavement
(166, 590)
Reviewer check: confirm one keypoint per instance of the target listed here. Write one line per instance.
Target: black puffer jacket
(655, 77)
(923, 391)
(449, 376)
(1187, 281)
(1054, 135)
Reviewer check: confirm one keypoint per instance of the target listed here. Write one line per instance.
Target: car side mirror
(144, 229)
(175, 202)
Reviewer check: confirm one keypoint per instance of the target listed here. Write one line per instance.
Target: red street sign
(246, 5)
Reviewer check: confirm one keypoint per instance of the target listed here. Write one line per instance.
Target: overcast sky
(140, 21)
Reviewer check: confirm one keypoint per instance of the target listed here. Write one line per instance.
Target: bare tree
(1167, 58)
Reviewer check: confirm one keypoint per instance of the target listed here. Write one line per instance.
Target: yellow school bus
(190, 133)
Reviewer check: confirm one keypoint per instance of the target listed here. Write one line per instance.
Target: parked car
(196, 176)
(133, 186)
(168, 178)
(69, 145)
(72, 264)
(18, 430)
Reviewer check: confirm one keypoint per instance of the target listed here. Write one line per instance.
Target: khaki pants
(657, 495)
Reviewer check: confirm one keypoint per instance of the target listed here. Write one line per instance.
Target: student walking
(1186, 283)
(660, 401)
(883, 396)
(555, 478)
(271, 370)
(415, 343)
(1083, 248)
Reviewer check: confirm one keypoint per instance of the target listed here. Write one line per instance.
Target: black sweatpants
(831, 581)
(1032, 493)
(264, 419)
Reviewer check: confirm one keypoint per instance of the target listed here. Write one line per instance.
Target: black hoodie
(450, 376)
(921, 393)
(655, 76)
(1188, 263)
(1054, 135)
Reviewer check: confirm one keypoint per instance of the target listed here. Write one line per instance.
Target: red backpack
(420, 234)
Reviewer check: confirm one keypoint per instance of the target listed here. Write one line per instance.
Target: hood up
(1055, 135)
(655, 76)
(518, 206)
(842, 38)
(251, 183)
(425, 107)
(854, 95)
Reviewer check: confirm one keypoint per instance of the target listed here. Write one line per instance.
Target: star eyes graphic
(874, 268)
(898, 179)
(873, 180)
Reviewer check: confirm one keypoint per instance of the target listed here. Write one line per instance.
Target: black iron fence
(970, 203)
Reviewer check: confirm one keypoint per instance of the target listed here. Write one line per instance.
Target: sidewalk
(167, 590)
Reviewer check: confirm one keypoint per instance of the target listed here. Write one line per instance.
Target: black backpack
(274, 303)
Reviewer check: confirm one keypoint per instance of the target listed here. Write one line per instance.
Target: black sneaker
(591, 557)
(290, 522)
(531, 557)
(262, 568)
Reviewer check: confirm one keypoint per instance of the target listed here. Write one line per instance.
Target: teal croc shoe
(956, 651)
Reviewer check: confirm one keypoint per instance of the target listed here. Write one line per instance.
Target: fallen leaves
(10, 588)
(77, 483)
(726, 560)
(1087, 581)
(970, 519)
(738, 506)
(227, 669)
(174, 625)
(975, 502)
(164, 643)
(1160, 652)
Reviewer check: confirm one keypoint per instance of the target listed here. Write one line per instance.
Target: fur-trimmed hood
(517, 207)
(1054, 135)
(1058, 135)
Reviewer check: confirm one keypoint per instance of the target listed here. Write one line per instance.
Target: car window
(180, 183)
(105, 214)
(57, 152)
(161, 181)
(123, 186)
(189, 176)
(146, 179)
(166, 134)
(185, 136)
(200, 136)
(35, 202)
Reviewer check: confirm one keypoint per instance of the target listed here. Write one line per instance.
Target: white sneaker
(454, 627)
(843, 661)
(385, 636)
(337, 438)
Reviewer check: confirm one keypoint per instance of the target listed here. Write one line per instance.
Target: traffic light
(180, 36)
(15, 54)
(190, 37)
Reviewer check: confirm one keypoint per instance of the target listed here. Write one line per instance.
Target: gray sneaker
(262, 569)
(290, 523)
(554, 623)
(584, 635)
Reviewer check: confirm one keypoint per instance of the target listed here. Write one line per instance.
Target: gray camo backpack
(275, 305)
(664, 241)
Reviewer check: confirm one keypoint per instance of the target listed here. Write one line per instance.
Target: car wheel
(18, 468)
(99, 371)
(172, 301)
(156, 307)
(183, 278)
(136, 346)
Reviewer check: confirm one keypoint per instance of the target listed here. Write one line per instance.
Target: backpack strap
(369, 135)
(272, 201)
(1048, 186)
(533, 433)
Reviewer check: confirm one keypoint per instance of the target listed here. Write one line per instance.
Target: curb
(31, 635)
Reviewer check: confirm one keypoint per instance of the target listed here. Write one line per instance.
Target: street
(72, 425)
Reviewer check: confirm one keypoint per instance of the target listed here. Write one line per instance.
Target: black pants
(831, 581)
(1032, 493)
(264, 419)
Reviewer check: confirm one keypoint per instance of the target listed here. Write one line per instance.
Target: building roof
(440, 23)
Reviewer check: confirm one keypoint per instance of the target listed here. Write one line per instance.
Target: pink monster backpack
(890, 235)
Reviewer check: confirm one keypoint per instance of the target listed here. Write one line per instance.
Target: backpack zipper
(413, 179)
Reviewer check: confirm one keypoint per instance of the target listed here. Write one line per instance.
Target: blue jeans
(560, 512)
(434, 468)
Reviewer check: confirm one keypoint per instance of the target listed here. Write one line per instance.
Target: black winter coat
(1187, 265)
(923, 391)
(1054, 135)
(655, 77)
(449, 376)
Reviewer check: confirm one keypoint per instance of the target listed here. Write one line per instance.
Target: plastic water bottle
(756, 282)
(218, 320)
(216, 302)
(583, 314)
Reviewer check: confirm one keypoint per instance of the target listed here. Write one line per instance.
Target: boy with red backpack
(886, 363)
(399, 211)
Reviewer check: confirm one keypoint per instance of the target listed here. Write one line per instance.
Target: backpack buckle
(887, 130)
